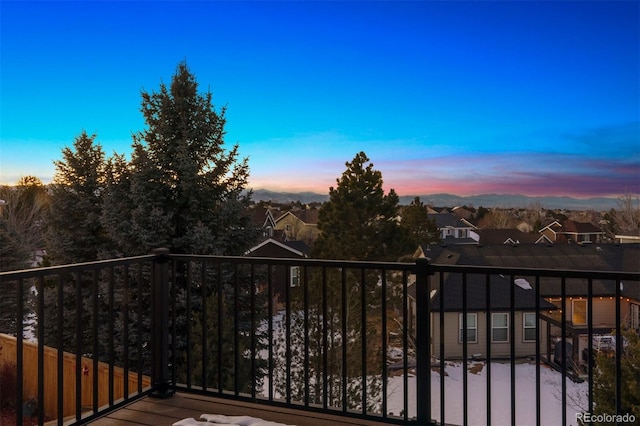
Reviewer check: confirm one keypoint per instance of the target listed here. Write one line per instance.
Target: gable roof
(279, 249)
(601, 257)
(507, 236)
(449, 220)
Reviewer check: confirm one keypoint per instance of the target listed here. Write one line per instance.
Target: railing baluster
(537, 316)
(125, 327)
(287, 306)
(41, 325)
(363, 313)
(325, 344)
(619, 350)
(383, 308)
(590, 359)
(442, 354)
(423, 338)
(236, 332)
(220, 289)
(19, 349)
(205, 325)
(252, 302)
(563, 345)
(270, 328)
(96, 338)
(405, 346)
(189, 313)
(488, 339)
(60, 358)
(465, 353)
(511, 321)
(306, 336)
(343, 280)
(112, 355)
(78, 362)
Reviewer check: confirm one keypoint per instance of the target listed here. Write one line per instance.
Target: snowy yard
(550, 395)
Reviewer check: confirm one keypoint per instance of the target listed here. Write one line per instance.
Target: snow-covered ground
(550, 395)
(220, 420)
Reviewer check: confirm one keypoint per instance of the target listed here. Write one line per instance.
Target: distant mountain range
(449, 200)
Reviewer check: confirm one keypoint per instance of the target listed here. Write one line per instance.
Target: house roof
(601, 257)
(448, 220)
(307, 216)
(571, 227)
(283, 249)
(506, 236)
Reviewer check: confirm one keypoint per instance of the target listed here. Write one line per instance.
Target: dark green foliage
(360, 221)
(75, 233)
(181, 190)
(417, 224)
(604, 386)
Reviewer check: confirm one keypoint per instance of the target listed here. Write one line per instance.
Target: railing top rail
(61, 269)
(356, 264)
(541, 272)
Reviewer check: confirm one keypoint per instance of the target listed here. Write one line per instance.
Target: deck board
(150, 411)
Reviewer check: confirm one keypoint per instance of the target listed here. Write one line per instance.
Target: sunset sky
(517, 97)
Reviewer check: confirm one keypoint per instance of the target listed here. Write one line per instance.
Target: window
(635, 316)
(579, 312)
(500, 327)
(529, 327)
(472, 328)
(294, 280)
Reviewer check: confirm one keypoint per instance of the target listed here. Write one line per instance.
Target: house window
(294, 280)
(579, 312)
(472, 328)
(635, 317)
(287, 227)
(500, 327)
(529, 327)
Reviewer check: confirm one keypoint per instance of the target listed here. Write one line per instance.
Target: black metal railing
(358, 339)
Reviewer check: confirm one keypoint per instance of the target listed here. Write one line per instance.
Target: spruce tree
(360, 221)
(417, 224)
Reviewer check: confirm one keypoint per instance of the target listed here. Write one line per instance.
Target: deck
(164, 412)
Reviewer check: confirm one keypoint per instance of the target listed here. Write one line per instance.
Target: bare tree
(627, 215)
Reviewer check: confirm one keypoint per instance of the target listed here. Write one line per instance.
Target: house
(300, 225)
(574, 306)
(282, 276)
(262, 218)
(630, 237)
(453, 229)
(447, 300)
(570, 231)
(510, 236)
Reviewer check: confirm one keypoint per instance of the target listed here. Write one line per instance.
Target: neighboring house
(510, 236)
(573, 232)
(454, 230)
(497, 313)
(628, 237)
(282, 276)
(262, 218)
(301, 225)
(604, 257)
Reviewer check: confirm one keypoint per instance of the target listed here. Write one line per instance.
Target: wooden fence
(50, 377)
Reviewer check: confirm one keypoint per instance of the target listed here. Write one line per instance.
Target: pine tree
(419, 227)
(604, 378)
(360, 221)
(183, 190)
(75, 233)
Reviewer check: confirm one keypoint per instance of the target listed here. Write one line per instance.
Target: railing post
(160, 325)
(423, 342)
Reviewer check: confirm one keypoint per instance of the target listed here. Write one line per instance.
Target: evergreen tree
(419, 227)
(360, 222)
(75, 233)
(182, 189)
(604, 379)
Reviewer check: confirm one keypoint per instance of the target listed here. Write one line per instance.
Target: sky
(463, 97)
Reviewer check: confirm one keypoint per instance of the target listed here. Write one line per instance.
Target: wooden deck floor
(164, 412)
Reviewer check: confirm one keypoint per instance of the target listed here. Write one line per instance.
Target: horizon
(461, 98)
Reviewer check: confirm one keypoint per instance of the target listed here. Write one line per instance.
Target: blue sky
(530, 97)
